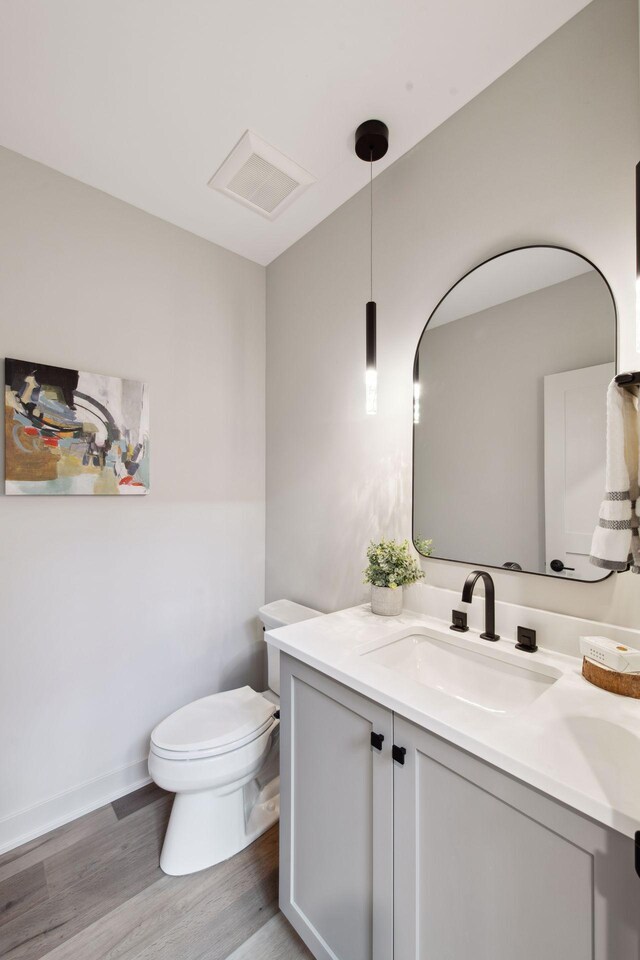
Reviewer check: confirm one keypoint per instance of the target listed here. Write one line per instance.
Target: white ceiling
(145, 98)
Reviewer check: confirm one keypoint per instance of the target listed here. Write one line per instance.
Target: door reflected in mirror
(510, 382)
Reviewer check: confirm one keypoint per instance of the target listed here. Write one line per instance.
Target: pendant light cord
(371, 219)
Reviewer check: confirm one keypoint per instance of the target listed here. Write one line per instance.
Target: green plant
(423, 546)
(391, 565)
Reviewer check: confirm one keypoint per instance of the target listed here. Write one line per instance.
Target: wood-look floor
(93, 890)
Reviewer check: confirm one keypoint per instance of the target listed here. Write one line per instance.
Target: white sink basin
(487, 681)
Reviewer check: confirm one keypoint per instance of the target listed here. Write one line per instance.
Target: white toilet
(220, 756)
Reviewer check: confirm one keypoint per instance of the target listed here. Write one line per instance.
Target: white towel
(615, 544)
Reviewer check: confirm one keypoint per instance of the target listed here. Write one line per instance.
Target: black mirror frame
(473, 563)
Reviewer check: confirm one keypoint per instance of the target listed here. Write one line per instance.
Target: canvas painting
(70, 432)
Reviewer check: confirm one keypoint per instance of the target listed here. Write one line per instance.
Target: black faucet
(489, 601)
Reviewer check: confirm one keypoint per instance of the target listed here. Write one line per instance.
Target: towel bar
(628, 379)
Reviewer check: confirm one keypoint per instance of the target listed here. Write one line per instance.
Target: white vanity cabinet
(438, 857)
(336, 838)
(486, 867)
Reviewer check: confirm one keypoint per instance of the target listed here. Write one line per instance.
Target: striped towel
(616, 545)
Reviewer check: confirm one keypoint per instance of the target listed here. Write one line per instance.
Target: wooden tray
(626, 684)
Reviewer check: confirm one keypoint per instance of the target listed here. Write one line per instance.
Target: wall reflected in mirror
(511, 375)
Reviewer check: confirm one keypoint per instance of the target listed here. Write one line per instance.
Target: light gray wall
(115, 611)
(479, 446)
(545, 155)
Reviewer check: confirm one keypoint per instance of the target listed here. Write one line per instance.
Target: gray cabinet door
(336, 824)
(488, 868)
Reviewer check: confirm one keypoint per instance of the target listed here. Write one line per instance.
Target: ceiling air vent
(260, 177)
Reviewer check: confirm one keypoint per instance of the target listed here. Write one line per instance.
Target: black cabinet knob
(376, 740)
(638, 852)
(558, 566)
(398, 753)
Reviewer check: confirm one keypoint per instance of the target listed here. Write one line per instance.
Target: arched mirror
(510, 381)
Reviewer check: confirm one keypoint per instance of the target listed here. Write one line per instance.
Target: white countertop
(575, 742)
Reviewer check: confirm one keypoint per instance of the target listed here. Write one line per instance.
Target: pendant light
(372, 142)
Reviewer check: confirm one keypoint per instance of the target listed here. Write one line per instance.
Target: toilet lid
(214, 722)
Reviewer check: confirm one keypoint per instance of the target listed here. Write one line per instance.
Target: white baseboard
(32, 822)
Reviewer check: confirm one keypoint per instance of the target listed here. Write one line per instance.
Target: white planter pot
(386, 602)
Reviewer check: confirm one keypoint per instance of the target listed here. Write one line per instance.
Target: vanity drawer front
(488, 868)
(336, 856)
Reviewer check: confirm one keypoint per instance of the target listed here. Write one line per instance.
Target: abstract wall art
(70, 432)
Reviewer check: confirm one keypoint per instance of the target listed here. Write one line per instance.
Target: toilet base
(206, 827)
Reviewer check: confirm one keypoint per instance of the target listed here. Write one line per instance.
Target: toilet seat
(214, 725)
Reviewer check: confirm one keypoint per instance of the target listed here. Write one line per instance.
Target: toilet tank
(280, 613)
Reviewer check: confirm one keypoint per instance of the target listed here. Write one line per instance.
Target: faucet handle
(459, 621)
(526, 640)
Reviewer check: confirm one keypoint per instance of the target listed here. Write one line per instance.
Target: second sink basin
(486, 681)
